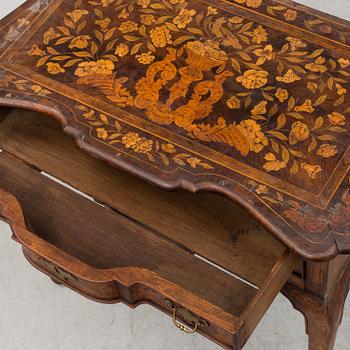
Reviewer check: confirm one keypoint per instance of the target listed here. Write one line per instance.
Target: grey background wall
(36, 314)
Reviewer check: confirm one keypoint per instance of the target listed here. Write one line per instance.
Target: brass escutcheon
(57, 271)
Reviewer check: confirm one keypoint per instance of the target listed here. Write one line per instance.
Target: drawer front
(184, 311)
(181, 317)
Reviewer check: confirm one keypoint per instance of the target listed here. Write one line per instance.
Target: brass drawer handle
(181, 326)
(188, 317)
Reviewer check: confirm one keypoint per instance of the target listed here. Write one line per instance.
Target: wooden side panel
(267, 293)
(321, 277)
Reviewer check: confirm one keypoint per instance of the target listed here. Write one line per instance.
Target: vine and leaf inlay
(111, 131)
(192, 60)
(335, 218)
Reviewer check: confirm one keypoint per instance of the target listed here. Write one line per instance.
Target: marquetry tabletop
(245, 97)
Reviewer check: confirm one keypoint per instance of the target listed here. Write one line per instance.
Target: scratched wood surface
(201, 95)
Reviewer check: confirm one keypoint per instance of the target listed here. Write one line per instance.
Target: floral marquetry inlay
(223, 95)
(218, 78)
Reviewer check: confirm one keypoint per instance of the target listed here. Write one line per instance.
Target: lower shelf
(110, 255)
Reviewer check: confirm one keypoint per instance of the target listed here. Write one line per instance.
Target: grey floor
(35, 314)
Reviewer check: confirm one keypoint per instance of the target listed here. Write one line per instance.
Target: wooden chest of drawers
(196, 157)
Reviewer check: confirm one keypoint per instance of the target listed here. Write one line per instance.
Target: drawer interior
(205, 223)
(201, 242)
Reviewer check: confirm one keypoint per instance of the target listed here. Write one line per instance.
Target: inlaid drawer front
(111, 237)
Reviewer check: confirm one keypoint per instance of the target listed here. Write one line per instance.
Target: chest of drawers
(189, 155)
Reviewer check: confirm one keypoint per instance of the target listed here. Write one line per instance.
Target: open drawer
(112, 237)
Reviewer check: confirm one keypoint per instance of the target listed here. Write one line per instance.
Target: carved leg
(322, 317)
